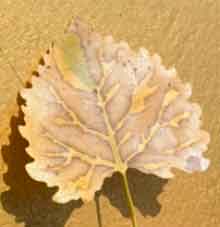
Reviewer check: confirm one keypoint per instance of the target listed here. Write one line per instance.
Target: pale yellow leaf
(111, 110)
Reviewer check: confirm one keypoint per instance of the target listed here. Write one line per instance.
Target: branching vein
(74, 153)
(74, 117)
(157, 126)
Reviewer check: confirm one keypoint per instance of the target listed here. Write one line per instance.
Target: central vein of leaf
(120, 166)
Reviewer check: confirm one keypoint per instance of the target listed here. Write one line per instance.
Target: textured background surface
(185, 34)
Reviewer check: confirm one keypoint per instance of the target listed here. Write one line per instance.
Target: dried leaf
(99, 107)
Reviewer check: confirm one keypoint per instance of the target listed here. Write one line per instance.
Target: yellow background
(186, 33)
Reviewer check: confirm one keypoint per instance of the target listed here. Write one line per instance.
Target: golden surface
(185, 34)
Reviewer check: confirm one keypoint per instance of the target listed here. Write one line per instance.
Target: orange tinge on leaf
(111, 110)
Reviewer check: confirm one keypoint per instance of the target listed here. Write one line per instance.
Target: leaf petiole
(129, 199)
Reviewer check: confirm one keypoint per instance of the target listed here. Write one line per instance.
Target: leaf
(105, 108)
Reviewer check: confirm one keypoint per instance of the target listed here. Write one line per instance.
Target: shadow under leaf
(30, 201)
(144, 190)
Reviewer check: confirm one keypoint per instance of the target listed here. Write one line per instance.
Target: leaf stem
(129, 199)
